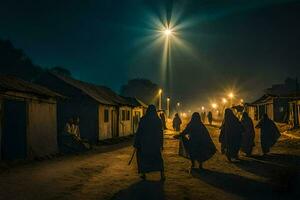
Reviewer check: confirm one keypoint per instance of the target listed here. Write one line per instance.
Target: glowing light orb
(168, 32)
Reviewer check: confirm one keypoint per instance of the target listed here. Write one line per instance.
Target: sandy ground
(105, 174)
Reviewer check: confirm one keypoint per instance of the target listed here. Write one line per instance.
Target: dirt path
(106, 175)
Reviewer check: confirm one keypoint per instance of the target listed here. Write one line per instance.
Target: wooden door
(13, 143)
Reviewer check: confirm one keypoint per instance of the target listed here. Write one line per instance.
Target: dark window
(123, 115)
(128, 115)
(106, 115)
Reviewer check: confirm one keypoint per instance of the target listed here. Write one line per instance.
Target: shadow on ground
(142, 190)
(238, 185)
(281, 170)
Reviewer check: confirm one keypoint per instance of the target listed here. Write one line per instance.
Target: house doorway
(114, 124)
(13, 142)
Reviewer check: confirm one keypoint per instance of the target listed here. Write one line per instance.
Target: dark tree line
(14, 61)
(143, 89)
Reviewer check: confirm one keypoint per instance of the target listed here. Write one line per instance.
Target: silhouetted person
(248, 134)
(177, 122)
(149, 143)
(210, 117)
(222, 139)
(203, 117)
(231, 131)
(269, 133)
(163, 120)
(197, 141)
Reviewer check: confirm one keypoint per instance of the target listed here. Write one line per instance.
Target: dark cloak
(199, 146)
(231, 134)
(149, 142)
(269, 133)
(248, 134)
(209, 117)
(177, 122)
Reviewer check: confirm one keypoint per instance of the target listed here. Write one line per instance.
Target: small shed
(138, 111)
(251, 109)
(97, 113)
(275, 101)
(28, 125)
(294, 114)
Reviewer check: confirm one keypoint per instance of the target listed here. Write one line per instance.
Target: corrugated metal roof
(101, 94)
(11, 83)
(135, 102)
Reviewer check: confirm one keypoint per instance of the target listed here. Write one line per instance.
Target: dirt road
(105, 175)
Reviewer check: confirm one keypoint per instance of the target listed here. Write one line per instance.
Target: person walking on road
(177, 122)
(248, 134)
(231, 137)
(197, 141)
(148, 144)
(269, 133)
(210, 117)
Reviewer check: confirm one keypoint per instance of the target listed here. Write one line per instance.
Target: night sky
(245, 46)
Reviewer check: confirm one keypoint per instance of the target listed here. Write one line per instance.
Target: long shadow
(284, 159)
(241, 186)
(285, 175)
(142, 190)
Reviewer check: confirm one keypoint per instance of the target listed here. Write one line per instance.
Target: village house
(139, 109)
(102, 113)
(28, 125)
(294, 115)
(275, 102)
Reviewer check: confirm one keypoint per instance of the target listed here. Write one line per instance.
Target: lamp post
(160, 98)
(168, 107)
(231, 96)
(178, 105)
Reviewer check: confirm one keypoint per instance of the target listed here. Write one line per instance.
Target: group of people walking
(235, 135)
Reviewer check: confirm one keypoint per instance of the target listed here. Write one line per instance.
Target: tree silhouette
(15, 62)
(61, 70)
(142, 89)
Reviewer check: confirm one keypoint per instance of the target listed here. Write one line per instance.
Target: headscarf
(151, 113)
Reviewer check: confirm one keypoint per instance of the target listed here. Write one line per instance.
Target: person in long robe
(210, 117)
(177, 122)
(248, 134)
(231, 130)
(149, 144)
(222, 139)
(197, 141)
(269, 133)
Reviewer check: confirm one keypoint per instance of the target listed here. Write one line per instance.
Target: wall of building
(105, 125)
(137, 113)
(125, 123)
(281, 109)
(77, 104)
(42, 129)
(86, 110)
(270, 110)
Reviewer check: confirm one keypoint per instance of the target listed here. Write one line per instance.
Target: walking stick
(132, 156)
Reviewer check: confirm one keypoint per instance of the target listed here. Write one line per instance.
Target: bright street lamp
(160, 98)
(168, 107)
(224, 101)
(214, 105)
(167, 32)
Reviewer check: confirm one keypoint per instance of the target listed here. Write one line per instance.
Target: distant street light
(224, 101)
(214, 105)
(231, 96)
(160, 98)
(202, 108)
(168, 107)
